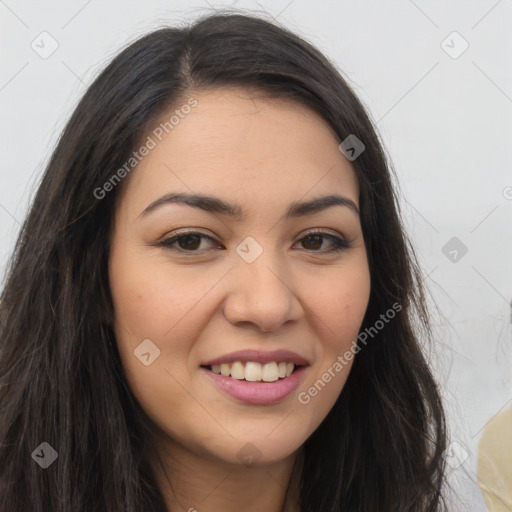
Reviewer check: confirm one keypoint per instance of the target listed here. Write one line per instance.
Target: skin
(262, 154)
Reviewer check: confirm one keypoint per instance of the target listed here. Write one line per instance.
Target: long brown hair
(61, 382)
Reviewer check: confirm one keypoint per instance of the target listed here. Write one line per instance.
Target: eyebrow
(216, 205)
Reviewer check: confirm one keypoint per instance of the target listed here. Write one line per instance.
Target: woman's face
(246, 292)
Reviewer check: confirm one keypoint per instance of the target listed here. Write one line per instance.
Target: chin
(258, 451)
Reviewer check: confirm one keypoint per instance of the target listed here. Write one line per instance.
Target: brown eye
(189, 242)
(315, 240)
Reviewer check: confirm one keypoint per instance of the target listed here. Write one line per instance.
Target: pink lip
(258, 392)
(259, 356)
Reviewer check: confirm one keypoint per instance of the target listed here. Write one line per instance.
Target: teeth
(270, 373)
(254, 372)
(237, 370)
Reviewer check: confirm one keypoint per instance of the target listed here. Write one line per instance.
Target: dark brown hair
(61, 381)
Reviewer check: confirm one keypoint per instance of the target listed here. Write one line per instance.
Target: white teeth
(237, 370)
(270, 373)
(253, 371)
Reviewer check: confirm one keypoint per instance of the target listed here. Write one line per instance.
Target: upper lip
(259, 356)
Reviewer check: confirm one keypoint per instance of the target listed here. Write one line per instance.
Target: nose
(262, 294)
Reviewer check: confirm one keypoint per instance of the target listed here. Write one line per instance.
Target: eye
(316, 238)
(190, 242)
(187, 242)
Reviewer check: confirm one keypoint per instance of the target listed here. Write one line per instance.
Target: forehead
(239, 145)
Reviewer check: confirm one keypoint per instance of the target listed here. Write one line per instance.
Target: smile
(253, 371)
(258, 391)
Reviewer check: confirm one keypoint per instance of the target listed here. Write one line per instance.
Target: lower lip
(258, 392)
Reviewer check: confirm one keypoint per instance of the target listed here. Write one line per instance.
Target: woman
(275, 368)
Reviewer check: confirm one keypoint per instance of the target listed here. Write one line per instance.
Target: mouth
(252, 371)
(263, 386)
(257, 377)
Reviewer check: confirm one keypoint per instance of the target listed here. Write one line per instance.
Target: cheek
(153, 301)
(149, 304)
(341, 304)
(340, 310)
(149, 301)
(145, 307)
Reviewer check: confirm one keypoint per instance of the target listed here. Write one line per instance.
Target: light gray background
(446, 123)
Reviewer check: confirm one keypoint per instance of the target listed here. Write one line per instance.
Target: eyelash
(339, 243)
